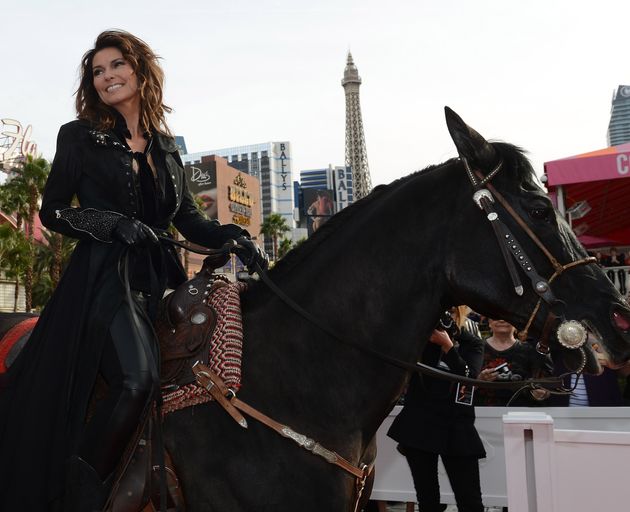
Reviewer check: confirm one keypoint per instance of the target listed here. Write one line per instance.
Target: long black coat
(430, 419)
(43, 408)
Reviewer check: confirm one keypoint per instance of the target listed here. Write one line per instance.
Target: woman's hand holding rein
(133, 232)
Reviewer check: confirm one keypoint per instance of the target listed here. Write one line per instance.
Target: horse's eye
(542, 213)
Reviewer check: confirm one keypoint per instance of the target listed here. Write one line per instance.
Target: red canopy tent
(596, 187)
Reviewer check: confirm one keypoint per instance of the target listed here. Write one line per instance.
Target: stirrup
(85, 490)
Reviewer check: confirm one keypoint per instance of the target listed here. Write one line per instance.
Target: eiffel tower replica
(356, 153)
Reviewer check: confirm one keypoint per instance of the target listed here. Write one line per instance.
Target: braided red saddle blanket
(213, 322)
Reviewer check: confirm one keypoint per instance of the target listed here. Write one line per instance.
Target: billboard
(202, 182)
(318, 207)
(226, 194)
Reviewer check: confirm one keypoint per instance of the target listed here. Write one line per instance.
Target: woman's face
(114, 79)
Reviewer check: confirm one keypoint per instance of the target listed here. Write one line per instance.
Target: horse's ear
(470, 145)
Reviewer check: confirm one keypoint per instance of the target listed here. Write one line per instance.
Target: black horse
(379, 273)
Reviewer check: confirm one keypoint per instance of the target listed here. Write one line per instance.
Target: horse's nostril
(621, 321)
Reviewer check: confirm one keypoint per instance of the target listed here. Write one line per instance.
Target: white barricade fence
(620, 277)
(393, 480)
(555, 470)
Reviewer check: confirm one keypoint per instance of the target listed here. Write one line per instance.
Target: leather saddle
(185, 325)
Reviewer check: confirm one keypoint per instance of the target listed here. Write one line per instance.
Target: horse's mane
(513, 156)
(341, 218)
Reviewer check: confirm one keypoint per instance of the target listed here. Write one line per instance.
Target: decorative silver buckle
(571, 334)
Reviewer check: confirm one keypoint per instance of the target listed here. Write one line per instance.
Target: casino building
(270, 163)
(225, 194)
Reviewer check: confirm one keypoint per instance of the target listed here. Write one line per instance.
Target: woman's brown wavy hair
(150, 83)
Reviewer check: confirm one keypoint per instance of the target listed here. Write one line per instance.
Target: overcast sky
(537, 73)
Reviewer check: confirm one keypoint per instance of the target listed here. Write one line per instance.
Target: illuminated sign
(239, 181)
(240, 201)
(241, 220)
(239, 208)
(15, 141)
(240, 196)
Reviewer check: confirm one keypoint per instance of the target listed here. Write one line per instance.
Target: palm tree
(274, 226)
(286, 244)
(50, 260)
(14, 256)
(55, 242)
(13, 201)
(21, 195)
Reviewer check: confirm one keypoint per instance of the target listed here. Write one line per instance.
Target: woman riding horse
(121, 162)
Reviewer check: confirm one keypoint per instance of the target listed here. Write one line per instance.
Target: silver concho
(571, 334)
(542, 287)
(198, 318)
(482, 192)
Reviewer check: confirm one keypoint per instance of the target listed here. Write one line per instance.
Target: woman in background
(506, 358)
(438, 419)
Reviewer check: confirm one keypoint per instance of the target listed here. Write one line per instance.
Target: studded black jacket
(96, 167)
(44, 406)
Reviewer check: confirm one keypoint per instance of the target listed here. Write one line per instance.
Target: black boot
(85, 491)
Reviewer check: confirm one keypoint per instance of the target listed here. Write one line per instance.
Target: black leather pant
(621, 277)
(463, 475)
(128, 366)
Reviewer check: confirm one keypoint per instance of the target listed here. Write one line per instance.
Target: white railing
(393, 480)
(555, 470)
(620, 277)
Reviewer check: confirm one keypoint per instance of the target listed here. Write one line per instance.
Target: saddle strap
(213, 384)
(203, 373)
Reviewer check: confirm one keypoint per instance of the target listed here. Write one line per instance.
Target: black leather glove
(249, 253)
(134, 232)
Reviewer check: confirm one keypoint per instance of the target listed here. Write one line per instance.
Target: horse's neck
(364, 291)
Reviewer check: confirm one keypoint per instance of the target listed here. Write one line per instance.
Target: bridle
(571, 334)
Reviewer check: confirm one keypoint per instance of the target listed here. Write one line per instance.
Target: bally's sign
(15, 141)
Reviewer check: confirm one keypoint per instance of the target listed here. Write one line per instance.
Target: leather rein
(421, 368)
